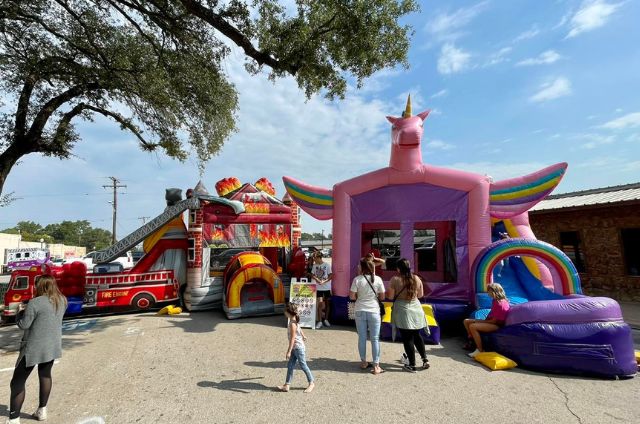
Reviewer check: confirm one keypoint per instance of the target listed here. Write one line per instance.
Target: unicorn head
(406, 133)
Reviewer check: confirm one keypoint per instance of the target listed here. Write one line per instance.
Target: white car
(126, 261)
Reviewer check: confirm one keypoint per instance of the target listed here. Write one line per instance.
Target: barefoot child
(494, 321)
(296, 351)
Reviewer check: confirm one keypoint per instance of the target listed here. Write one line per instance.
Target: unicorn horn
(407, 111)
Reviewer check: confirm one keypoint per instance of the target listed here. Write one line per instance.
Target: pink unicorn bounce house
(452, 225)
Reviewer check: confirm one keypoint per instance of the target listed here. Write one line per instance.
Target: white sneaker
(40, 414)
(326, 323)
(473, 354)
(13, 421)
(319, 325)
(404, 359)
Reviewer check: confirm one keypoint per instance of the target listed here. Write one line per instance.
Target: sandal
(377, 370)
(365, 365)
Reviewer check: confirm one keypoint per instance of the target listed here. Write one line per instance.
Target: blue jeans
(297, 355)
(368, 321)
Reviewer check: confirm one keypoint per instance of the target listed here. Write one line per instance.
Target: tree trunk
(9, 158)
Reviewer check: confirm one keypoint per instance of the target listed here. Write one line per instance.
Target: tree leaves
(156, 66)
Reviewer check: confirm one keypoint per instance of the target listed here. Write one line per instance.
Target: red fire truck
(93, 292)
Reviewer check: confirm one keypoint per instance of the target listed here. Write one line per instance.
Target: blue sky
(513, 86)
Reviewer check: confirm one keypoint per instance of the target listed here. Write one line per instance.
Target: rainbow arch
(484, 263)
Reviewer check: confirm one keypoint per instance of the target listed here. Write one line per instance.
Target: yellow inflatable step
(170, 310)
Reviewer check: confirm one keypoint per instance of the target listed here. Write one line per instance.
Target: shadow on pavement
(241, 385)
(74, 333)
(189, 323)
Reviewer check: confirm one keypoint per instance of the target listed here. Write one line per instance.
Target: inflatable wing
(316, 201)
(517, 195)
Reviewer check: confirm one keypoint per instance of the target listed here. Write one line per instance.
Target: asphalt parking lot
(202, 368)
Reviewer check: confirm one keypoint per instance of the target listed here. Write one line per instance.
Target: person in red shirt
(494, 321)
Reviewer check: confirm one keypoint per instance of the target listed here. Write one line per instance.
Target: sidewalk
(631, 313)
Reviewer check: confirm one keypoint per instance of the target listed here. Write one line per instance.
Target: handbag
(380, 304)
(394, 299)
(351, 309)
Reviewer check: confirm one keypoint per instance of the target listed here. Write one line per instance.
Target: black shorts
(325, 294)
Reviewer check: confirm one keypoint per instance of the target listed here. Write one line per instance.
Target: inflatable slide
(552, 329)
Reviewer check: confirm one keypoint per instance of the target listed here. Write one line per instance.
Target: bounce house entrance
(256, 298)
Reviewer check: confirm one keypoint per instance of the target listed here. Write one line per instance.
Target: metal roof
(593, 197)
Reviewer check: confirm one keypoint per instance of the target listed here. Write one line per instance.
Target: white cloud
(630, 120)
(499, 56)
(452, 59)
(534, 31)
(594, 140)
(440, 93)
(545, 58)
(279, 133)
(591, 15)
(552, 90)
(381, 80)
(447, 27)
(437, 144)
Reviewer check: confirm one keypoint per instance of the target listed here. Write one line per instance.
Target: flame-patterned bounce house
(451, 224)
(260, 229)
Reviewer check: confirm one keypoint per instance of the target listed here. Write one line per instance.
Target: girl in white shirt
(366, 289)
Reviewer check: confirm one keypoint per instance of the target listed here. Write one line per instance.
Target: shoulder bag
(380, 304)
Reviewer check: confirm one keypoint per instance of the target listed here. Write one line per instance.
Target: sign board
(303, 294)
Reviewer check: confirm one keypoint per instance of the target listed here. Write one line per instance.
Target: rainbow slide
(251, 287)
(551, 328)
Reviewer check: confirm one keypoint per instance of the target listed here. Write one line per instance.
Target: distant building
(599, 230)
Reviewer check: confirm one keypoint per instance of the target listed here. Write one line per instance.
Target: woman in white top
(366, 289)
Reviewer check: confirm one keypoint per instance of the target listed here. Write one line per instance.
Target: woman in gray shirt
(41, 344)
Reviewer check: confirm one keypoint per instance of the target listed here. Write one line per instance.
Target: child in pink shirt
(496, 318)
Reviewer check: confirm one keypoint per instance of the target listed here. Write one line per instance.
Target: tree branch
(63, 124)
(124, 123)
(23, 105)
(236, 36)
(39, 122)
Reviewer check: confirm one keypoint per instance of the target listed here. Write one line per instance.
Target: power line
(115, 185)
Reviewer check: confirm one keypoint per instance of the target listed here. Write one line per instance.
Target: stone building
(599, 230)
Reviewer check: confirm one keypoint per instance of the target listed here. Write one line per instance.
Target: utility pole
(115, 184)
(144, 219)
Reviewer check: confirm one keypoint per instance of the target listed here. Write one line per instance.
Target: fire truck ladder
(115, 250)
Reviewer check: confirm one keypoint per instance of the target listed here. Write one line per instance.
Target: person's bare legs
(467, 322)
(320, 309)
(481, 327)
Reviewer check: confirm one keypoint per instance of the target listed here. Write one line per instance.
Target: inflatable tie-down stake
(251, 287)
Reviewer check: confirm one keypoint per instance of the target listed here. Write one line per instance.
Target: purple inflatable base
(444, 311)
(595, 349)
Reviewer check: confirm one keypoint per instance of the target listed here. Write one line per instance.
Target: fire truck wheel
(143, 301)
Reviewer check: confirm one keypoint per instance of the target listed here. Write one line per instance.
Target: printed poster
(303, 294)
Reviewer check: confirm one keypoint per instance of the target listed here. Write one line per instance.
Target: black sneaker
(409, 368)
(425, 364)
